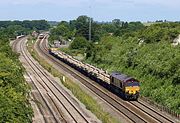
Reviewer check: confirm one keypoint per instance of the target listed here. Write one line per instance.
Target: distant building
(176, 41)
(57, 43)
(141, 41)
(63, 42)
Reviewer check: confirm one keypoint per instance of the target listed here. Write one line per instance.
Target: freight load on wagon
(129, 86)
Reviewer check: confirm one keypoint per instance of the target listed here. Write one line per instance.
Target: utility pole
(90, 25)
(89, 29)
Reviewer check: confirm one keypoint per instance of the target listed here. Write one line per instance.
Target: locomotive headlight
(132, 89)
(132, 92)
(127, 90)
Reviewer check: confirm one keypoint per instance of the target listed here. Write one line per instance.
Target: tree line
(14, 28)
(80, 28)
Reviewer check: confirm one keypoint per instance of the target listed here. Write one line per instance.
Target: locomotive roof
(121, 76)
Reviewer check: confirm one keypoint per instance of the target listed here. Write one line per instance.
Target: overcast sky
(100, 10)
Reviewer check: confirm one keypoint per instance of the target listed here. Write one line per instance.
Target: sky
(99, 10)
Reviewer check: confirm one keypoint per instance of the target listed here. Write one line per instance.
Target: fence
(160, 107)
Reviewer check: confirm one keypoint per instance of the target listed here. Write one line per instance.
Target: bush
(14, 105)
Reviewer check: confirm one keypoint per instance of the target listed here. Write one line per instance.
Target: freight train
(41, 36)
(121, 83)
(20, 36)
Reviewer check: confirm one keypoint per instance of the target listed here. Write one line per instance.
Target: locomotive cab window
(121, 84)
(132, 83)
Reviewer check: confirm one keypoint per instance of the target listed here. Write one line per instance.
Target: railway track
(54, 102)
(135, 111)
(150, 111)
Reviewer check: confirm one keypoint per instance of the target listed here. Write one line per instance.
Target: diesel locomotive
(129, 86)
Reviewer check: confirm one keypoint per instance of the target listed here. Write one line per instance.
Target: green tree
(80, 43)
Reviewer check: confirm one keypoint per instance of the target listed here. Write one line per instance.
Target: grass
(90, 103)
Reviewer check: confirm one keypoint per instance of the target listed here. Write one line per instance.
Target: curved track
(54, 102)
